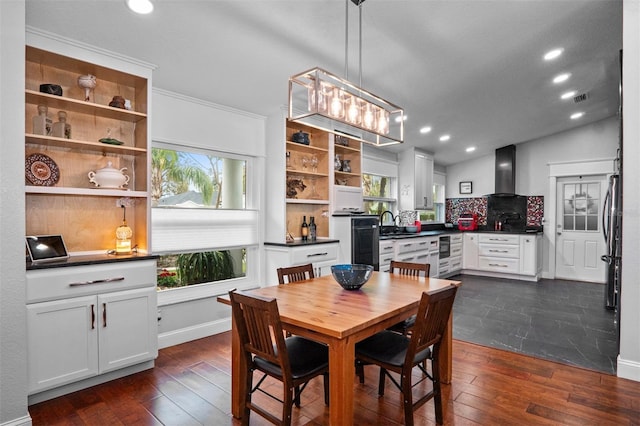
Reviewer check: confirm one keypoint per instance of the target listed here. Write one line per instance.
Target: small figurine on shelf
(109, 140)
(117, 102)
(346, 166)
(62, 129)
(337, 163)
(88, 83)
(42, 125)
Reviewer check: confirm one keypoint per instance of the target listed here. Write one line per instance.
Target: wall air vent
(581, 97)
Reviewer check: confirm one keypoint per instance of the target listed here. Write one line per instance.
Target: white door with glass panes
(579, 242)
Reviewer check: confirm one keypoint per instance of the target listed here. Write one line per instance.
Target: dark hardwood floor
(190, 385)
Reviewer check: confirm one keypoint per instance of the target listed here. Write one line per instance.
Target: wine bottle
(304, 230)
(312, 228)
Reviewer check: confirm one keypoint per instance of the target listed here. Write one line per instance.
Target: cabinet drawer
(315, 253)
(456, 249)
(443, 266)
(499, 250)
(387, 258)
(506, 265)
(455, 263)
(423, 244)
(406, 246)
(421, 257)
(387, 247)
(74, 281)
(455, 238)
(499, 238)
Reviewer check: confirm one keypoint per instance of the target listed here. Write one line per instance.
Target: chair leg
(381, 382)
(407, 397)
(247, 399)
(360, 371)
(287, 405)
(325, 379)
(437, 391)
(296, 396)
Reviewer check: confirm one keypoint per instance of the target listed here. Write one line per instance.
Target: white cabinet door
(423, 181)
(529, 261)
(62, 342)
(470, 251)
(128, 328)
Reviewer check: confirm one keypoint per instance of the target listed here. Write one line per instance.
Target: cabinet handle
(498, 239)
(498, 265)
(422, 243)
(498, 251)
(407, 259)
(101, 281)
(317, 254)
(93, 316)
(407, 245)
(104, 315)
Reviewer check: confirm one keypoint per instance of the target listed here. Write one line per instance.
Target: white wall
(480, 172)
(13, 342)
(629, 358)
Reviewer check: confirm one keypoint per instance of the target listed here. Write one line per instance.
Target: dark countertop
(94, 259)
(452, 231)
(299, 243)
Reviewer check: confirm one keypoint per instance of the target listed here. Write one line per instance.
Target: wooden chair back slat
(294, 274)
(409, 268)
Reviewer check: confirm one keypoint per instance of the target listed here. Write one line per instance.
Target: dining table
(321, 310)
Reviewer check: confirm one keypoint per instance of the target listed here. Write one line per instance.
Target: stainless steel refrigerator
(612, 230)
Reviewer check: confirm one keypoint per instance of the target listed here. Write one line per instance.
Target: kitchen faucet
(393, 218)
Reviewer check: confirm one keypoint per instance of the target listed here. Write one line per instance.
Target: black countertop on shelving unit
(94, 259)
(299, 243)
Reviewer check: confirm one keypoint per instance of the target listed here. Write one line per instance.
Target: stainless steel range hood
(505, 168)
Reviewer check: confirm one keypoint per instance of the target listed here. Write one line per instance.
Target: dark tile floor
(563, 321)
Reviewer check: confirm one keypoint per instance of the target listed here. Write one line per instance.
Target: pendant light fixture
(327, 102)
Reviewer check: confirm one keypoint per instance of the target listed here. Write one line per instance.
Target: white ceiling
(469, 68)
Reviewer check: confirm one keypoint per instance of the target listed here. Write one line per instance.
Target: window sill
(202, 291)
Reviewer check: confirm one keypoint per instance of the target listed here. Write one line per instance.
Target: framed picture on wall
(466, 187)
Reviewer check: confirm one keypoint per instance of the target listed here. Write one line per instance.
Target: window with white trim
(201, 225)
(378, 193)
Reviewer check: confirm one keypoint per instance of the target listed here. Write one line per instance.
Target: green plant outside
(197, 268)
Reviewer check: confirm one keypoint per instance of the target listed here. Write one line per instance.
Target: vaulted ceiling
(472, 69)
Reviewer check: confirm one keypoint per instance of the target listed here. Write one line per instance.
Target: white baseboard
(628, 369)
(20, 421)
(187, 334)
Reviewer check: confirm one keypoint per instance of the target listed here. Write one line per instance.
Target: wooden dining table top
(322, 305)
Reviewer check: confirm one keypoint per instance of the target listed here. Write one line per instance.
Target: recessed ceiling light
(561, 78)
(569, 94)
(142, 7)
(577, 115)
(445, 138)
(425, 130)
(401, 118)
(553, 54)
(471, 149)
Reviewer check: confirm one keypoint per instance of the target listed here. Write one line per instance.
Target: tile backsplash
(454, 207)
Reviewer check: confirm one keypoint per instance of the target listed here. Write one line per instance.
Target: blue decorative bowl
(351, 277)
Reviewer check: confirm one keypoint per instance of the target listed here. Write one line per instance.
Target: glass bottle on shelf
(304, 229)
(42, 125)
(61, 129)
(346, 166)
(312, 229)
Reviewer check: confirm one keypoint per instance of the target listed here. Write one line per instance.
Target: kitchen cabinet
(452, 265)
(86, 321)
(415, 180)
(503, 255)
(417, 250)
(59, 197)
(470, 251)
(387, 253)
(278, 255)
(531, 254)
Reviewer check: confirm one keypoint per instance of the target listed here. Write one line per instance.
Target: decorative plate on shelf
(41, 170)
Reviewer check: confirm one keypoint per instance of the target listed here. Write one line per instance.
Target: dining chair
(403, 327)
(398, 353)
(415, 270)
(295, 273)
(294, 361)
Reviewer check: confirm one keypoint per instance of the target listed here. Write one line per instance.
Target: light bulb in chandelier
(354, 114)
(368, 118)
(337, 107)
